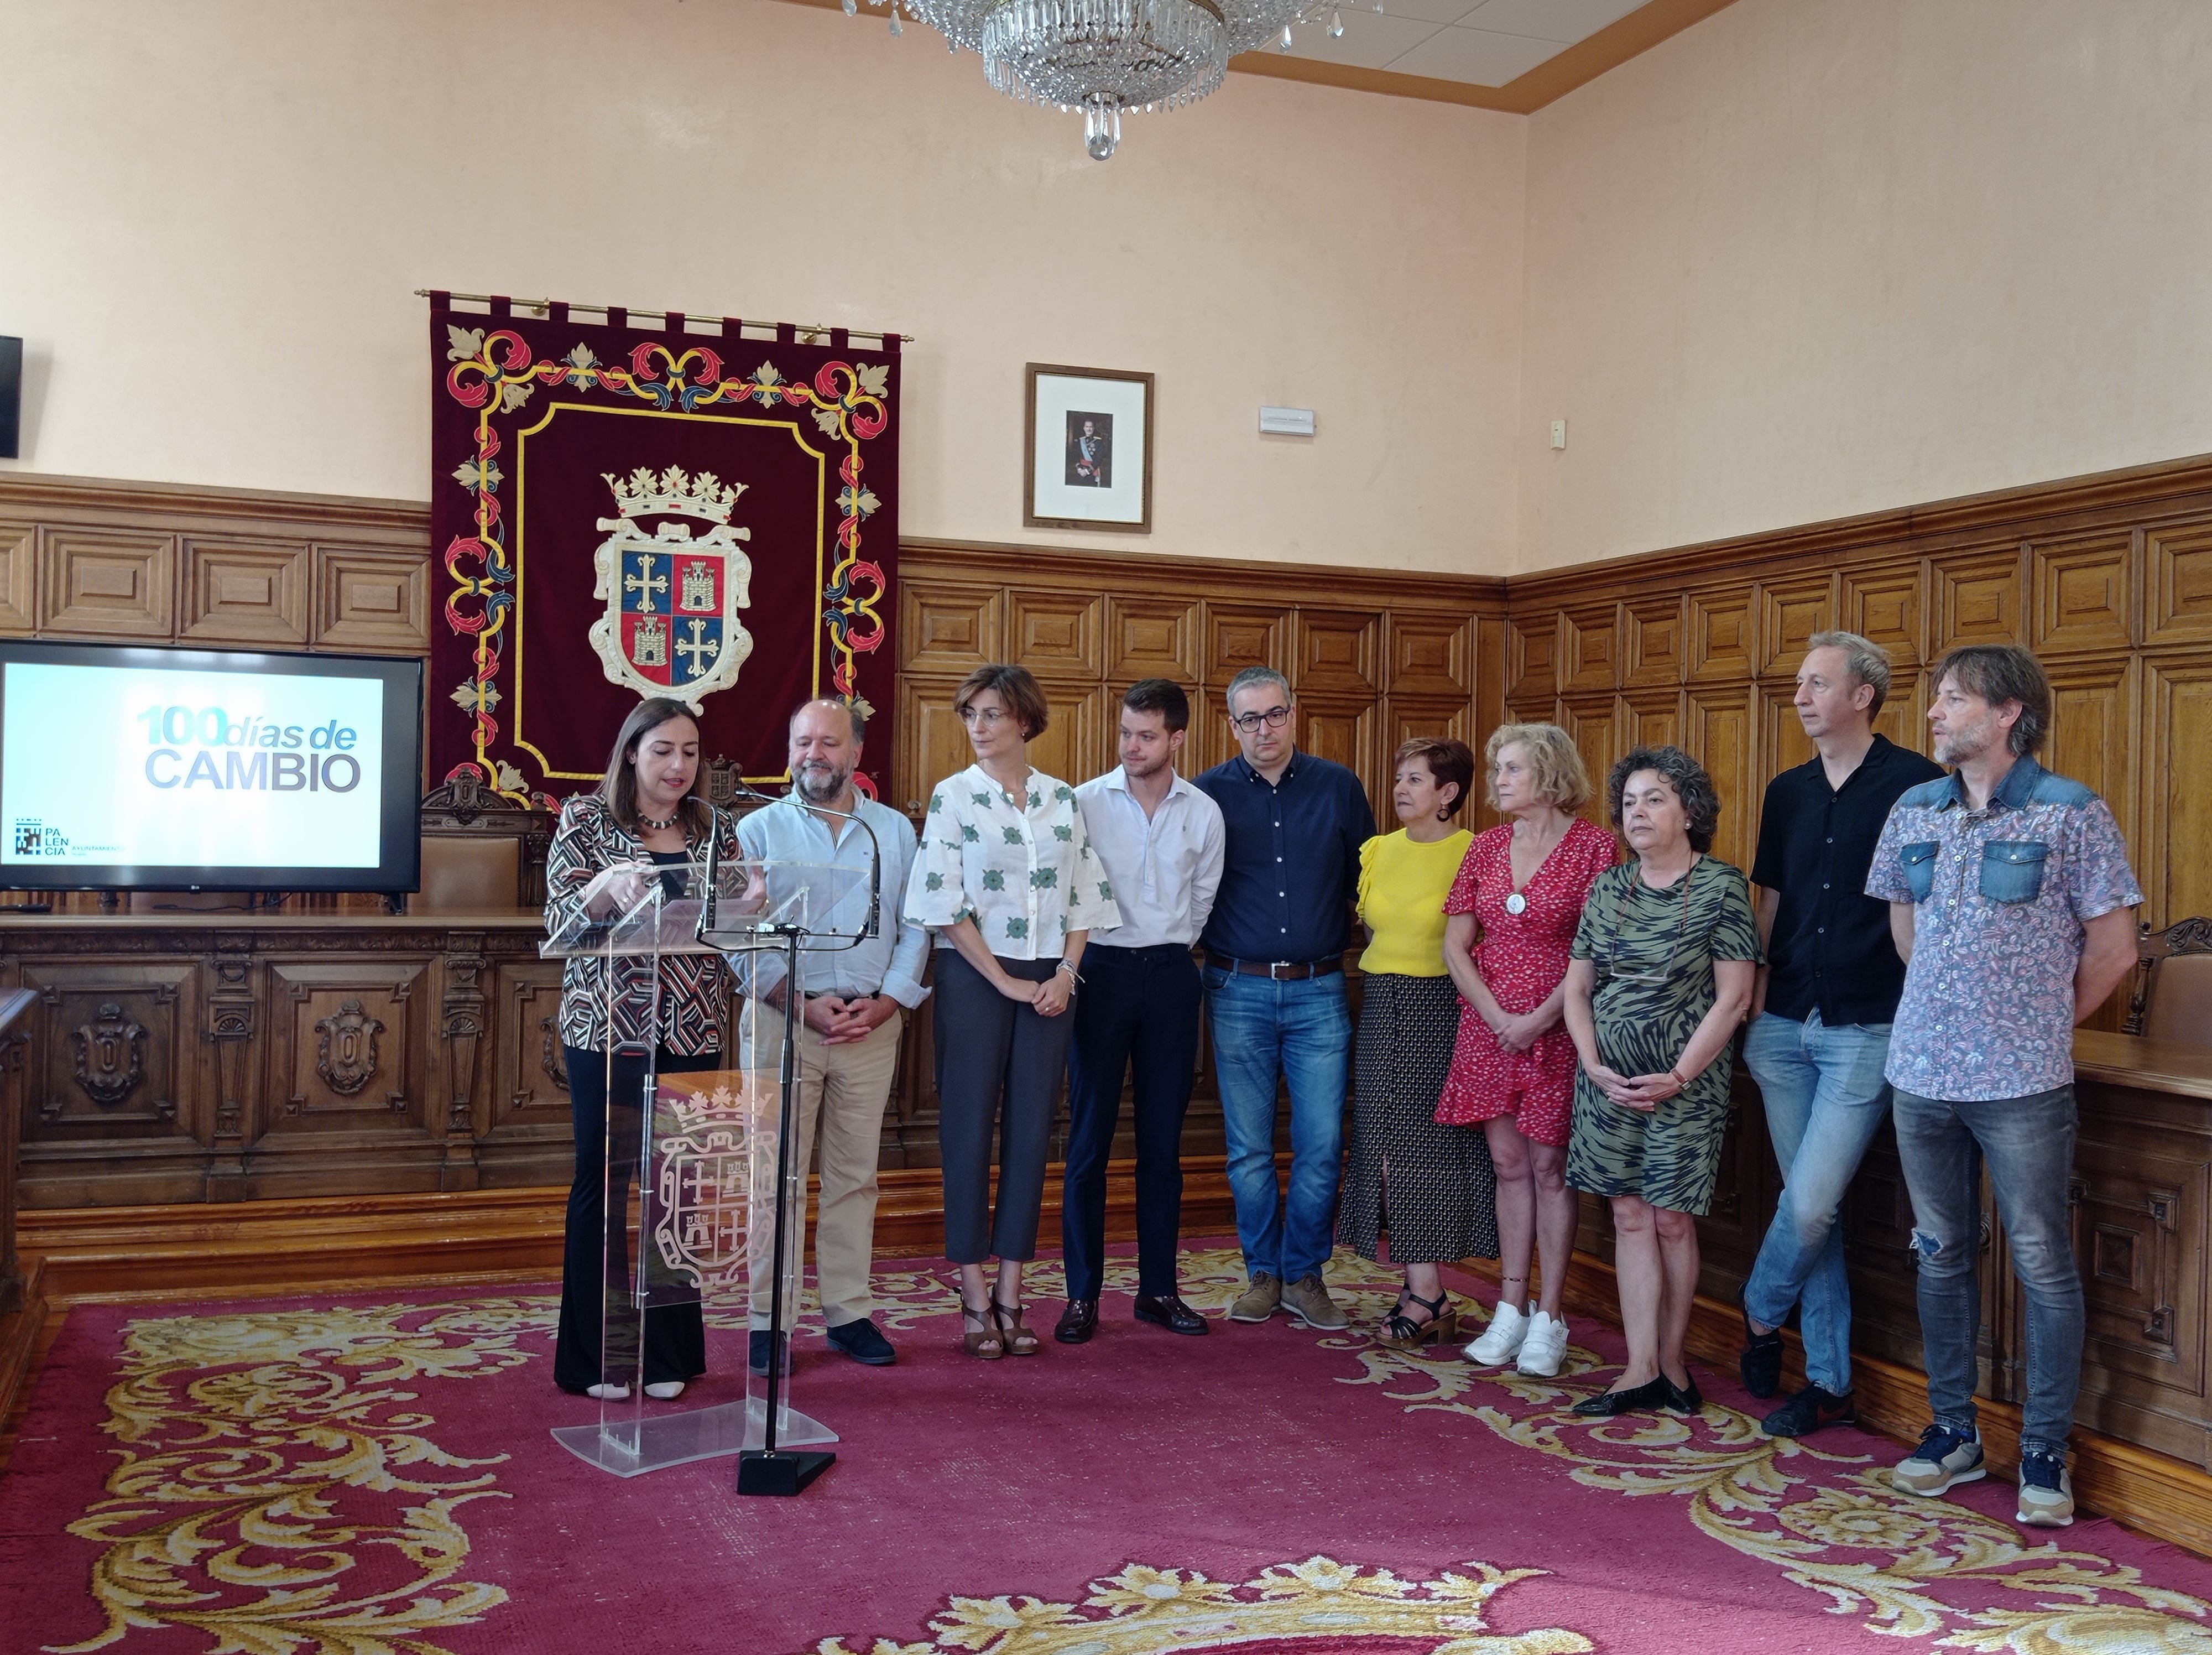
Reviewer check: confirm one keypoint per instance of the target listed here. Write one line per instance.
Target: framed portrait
(1089, 451)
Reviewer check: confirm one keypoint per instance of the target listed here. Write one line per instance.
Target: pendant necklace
(1516, 903)
(659, 826)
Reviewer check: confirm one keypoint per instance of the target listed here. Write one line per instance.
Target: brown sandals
(983, 1341)
(1015, 1337)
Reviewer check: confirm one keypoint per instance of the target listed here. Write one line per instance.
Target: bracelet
(1068, 965)
(1680, 1083)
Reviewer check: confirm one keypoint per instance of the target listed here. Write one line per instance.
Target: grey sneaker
(1258, 1301)
(1944, 1459)
(2046, 1493)
(1308, 1299)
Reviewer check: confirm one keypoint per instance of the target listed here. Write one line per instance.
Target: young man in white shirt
(1161, 841)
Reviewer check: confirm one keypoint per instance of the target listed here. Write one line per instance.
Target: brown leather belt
(1282, 970)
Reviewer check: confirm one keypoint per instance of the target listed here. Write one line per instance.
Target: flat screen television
(131, 767)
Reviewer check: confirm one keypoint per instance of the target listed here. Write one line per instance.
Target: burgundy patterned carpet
(373, 1473)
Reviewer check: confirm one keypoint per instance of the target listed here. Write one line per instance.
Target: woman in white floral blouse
(1006, 879)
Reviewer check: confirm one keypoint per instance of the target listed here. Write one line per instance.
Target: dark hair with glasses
(1257, 677)
(1700, 802)
(1162, 695)
(1999, 673)
(1016, 691)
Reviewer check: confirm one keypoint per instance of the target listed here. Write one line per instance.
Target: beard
(818, 784)
(1957, 744)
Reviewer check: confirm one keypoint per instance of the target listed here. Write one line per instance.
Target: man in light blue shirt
(1161, 842)
(849, 1032)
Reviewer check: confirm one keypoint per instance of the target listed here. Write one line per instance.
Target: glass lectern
(704, 1192)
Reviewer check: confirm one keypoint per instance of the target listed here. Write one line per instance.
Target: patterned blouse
(694, 988)
(1024, 872)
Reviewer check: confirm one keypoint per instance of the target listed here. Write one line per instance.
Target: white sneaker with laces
(1544, 1346)
(1501, 1341)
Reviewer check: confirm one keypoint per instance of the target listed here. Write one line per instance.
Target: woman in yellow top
(1428, 1185)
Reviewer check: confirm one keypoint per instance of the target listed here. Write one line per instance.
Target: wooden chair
(2172, 998)
(481, 851)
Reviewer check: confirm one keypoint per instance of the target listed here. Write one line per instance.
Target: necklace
(674, 817)
(1517, 902)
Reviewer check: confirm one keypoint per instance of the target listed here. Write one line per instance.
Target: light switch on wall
(1559, 434)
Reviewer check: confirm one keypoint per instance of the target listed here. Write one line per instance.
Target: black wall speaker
(11, 396)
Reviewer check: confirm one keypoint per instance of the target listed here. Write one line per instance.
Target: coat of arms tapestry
(620, 511)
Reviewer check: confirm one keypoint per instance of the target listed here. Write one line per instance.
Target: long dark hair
(619, 786)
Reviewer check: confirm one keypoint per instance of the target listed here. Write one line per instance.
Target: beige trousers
(842, 1093)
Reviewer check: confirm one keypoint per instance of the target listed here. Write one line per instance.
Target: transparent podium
(705, 1191)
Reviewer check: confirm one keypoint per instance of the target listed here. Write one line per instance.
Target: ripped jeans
(2028, 1144)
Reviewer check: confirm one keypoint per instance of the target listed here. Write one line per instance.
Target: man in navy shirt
(1274, 989)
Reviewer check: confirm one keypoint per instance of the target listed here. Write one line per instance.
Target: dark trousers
(675, 1334)
(1137, 1006)
(999, 1066)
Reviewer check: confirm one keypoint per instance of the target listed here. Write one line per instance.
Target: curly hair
(1700, 803)
(1561, 781)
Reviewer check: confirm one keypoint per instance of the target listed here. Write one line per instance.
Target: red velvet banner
(621, 512)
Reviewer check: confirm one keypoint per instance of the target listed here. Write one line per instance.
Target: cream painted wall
(212, 217)
(1811, 258)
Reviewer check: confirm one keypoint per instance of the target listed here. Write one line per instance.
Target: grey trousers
(999, 1066)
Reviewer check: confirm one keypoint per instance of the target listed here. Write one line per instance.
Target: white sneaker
(1544, 1346)
(665, 1391)
(1501, 1340)
(609, 1393)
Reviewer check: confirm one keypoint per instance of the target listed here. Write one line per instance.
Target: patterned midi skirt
(1430, 1186)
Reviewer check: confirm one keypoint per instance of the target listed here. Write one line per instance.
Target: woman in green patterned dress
(1661, 976)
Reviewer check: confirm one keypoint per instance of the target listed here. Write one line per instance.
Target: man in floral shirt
(2010, 896)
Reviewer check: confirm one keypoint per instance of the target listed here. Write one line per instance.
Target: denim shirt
(2000, 895)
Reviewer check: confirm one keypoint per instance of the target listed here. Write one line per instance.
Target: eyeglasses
(1613, 966)
(1274, 718)
(989, 717)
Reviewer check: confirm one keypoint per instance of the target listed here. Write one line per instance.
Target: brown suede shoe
(1308, 1299)
(1259, 1300)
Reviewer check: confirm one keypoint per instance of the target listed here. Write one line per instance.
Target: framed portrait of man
(1088, 453)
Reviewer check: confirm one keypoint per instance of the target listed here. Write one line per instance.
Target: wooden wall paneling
(1790, 612)
(1407, 716)
(244, 590)
(1344, 728)
(2084, 592)
(1151, 637)
(948, 628)
(1979, 598)
(1077, 742)
(346, 1049)
(1593, 724)
(1718, 725)
(112, 1046)
(1532, 657)
(931, 743)
(1589, 648)
(1903, 716)
(1211, 741)
(1722, 633)
(1652, 634)
(1885, 603)
(1239, 635)
(1783, 743)
(1650, 717)
(1431, 655)
(116, 583)
(1339, 653)
(2175, 864)
(1057, 632)
(2178, 583)
(2092, 727)
(19, 578)
(376, 601)
(530, 1079)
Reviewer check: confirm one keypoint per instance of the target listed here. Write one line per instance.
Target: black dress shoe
(863, 1341)
(1808, 1410)
(1761, 1363)
(1078, 1321)
(1683, 1399)
(1646, 1398)
(1172, 1314)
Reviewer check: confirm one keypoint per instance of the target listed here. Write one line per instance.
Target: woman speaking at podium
(648, 812)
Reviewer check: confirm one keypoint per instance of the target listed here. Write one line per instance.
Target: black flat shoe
(1078, 1321)
(1172, 1314)
(1761, 1362)
(1646, 1398)
(1683, 1399)
(863, 1341)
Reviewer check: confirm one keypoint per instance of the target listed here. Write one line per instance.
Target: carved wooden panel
(1649, 718)
(1344, 729)
(1884, 606)
(1720, 629)
(2174, 858)
(1791, 612)
(1977, 599)
(1077, 743)
(375, 601)
(1652, 640)
(1413, 715)
(19, 578)
(2084, 592)
(1532, 656)
(1590, 641)
(1431, 655)
(1783, 742)
(1151, 638)
(1903, 716)
(1057, 631)
(111, 582)
(2092, 730)
(2139, 1227)
(1238, 637)
(2178, 589)
(113, 1050)
(944, 628)
(347, 1051)
(932, 743)
(1719, 728)
(529, 1082)
(1338, 652)
(1592, 724)
(241, 590)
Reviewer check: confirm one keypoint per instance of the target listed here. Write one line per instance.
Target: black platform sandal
(1401, 1332)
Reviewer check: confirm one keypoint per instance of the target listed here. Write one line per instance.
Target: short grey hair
(1863, 659)
(1256, 675)
(1999, 673)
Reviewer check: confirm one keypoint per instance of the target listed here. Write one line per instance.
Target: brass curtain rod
(539, 307)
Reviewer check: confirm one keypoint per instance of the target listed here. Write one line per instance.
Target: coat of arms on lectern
(670, 623)
(702, 1155)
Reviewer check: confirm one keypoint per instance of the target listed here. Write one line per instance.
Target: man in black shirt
(1822, 1015)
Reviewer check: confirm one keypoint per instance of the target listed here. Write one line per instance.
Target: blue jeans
(1301, 1031)
(2029, 1144)
(1825, 1098)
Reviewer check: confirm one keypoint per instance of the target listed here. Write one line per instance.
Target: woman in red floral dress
(1520, 891)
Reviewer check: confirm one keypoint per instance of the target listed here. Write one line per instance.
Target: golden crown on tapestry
(671, 626)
